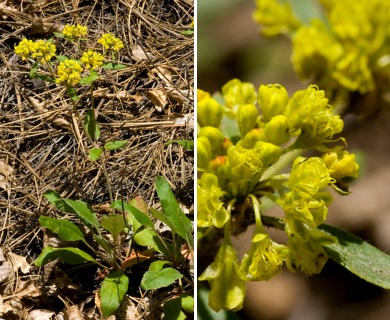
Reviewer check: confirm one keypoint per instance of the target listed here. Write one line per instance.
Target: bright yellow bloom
(69, 72)
(75, 32)
(110, 42)
(44, 50)
(38, 50)
(25, 48)
(92, 59)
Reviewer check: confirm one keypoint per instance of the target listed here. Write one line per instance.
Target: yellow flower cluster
(38, 50)
(75, 31)
(110, 42)
(92, 59)
(69, 72)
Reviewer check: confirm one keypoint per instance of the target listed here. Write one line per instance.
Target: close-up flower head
(110, 42)
(75, 31)
(69, 72)
(92, 59)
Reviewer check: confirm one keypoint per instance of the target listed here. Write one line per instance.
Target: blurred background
(229, 46)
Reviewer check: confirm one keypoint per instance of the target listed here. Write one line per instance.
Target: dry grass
(42, 143)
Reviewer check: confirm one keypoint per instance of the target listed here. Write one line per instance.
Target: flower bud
(252, 137)
(216, 139)
(273, 100)
(276, 131)
(236, 93)
(203, 152)
(246, 118)
(341, 165)
(210, 112)
(201, 95)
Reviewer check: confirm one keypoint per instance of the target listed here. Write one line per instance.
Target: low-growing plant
(109, 245)
(251, 156)
(111, 241)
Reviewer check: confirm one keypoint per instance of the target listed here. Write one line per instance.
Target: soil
(43, 146)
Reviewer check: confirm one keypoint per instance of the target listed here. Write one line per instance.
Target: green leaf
(188, 32)
(113, 223)
(33, 71)
(149, 238)
(91, 125)
(94, 154)
(141, 217)
(188, 144)
(114, 288)
(93, 75)
(103, 243)
(159, 279)
(81, 210)
(172, 310)
(61, 58)
(115, 145)
(113, 66)
(159, 216)
(187, 302)
(71, 91)
(178, 221)
(359, 257)
(66, 230)
(67, 255)
(59, 34)
(117, 204)
(158, 265)
(52, 197)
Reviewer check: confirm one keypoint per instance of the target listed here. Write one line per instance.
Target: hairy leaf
(178, 221)
(81, 210)
(67, 255)
(94, 154)
(115, 145)
(159, 279)
(65, 229)
(91, 125)
(113, 223)
(359, 257)
(114, 288)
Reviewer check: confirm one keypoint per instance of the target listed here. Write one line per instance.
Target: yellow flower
(92, 59)
(44, 50)
(69, 72)
(110, 42)
(75, 32)
(25, 49)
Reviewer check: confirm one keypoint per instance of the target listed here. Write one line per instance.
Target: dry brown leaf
(6, 175)
(19, 262)
(163, 72)
(128, 310)
(139, 54)
(73, 313)
(179, 96)
(11, 309)
(27, 288)
(40, 314)
(158, 98)
(6, 271)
